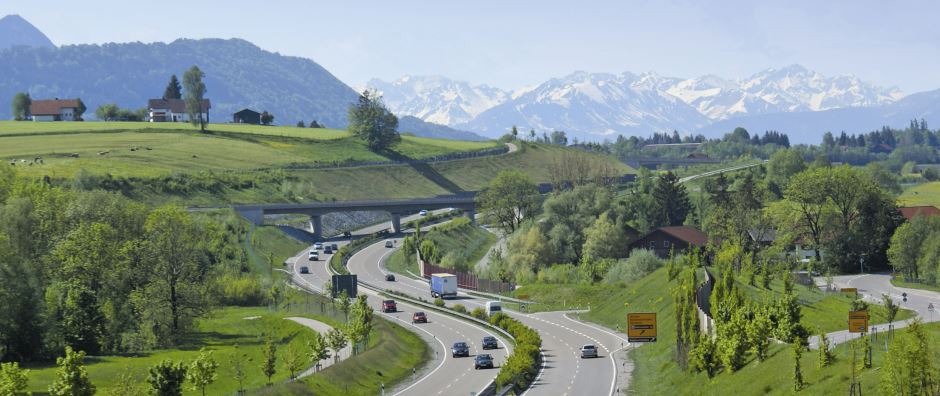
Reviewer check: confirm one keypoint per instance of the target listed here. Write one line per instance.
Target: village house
(247, 116)
(671, 240)
(174, 110)
(56, 110)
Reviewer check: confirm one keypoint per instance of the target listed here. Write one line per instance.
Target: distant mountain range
(595, 106)
(238, 75)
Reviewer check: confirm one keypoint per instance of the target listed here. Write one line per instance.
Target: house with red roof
(56, 109)
(174, 110)
(671, 240)
(909, 212)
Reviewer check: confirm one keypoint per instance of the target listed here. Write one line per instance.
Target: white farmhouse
(56, 109)
(174, 110)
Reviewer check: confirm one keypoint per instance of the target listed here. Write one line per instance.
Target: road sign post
(858, 322)
(641, 327)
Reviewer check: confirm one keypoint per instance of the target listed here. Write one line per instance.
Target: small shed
(666, 240)
(246, 116)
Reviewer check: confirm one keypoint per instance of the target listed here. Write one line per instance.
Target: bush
(522, 365)
(560, 273)
(460, 308)
(641, 262)
(239, 290)
(478, 313)
(439, 302)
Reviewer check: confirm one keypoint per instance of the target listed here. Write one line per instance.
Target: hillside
(16, 31)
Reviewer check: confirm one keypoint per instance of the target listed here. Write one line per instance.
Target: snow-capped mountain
(438, 99)
(593, 106)
(790, 89)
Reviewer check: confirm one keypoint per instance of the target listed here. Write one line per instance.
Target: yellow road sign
(850, 290)
(858, 322)
(641, 327)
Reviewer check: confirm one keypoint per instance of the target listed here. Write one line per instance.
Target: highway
(563, 371)
(448, 375)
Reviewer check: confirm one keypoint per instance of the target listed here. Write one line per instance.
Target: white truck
(492, 307)
(443, 285)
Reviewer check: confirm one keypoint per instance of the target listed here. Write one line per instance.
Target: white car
(317, 246)
(423, 213)
(314, 255)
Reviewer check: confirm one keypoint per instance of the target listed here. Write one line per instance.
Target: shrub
(439, 302)
(478, 313)
(239, 290)
(459, 308)
(641, 262)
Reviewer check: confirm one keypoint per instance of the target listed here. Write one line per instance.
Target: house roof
(690, 235)
(768, 235)
(175, 105)
(51, 106)
(910, 211)
(247, 111)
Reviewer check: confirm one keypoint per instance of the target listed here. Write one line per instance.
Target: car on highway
(328, 250)
(304, 270)
(460, 349)
(588, 351)
(317, 246)
(390, 277)
(314, 255)
(335, 247)
(483, 360)
(347, 234)
(489, 342)
(419, 317)
(389, 244)
(423, 213)
(389, 306)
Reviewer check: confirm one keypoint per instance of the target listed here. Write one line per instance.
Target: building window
(652, 244)
(666, 244)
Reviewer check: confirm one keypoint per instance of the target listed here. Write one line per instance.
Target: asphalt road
(563, 371)
(872, 287)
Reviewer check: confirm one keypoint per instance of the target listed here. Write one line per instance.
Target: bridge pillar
(396, 223)
(316, 226)
(471, 214)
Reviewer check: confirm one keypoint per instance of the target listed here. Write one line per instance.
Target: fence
(703, 303)
(464, 280)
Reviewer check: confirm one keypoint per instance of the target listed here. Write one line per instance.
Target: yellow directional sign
(850, 290)
(641, 327)
(858, 322)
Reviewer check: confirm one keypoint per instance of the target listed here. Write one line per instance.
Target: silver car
(588, 351)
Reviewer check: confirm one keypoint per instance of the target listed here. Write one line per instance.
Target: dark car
(389, 306)
(588, 351)
(334, 246)
(460, 349)
(304, 270)
(390, 277)
(328, 250)
(489, 342)
(419, 317)
(347, 234)
(482, 360)
(389, 244)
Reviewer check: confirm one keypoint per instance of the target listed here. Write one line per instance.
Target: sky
(515, 44)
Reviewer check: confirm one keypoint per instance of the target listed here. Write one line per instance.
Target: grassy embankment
(921, 194)
(657, 373)
(466, 241)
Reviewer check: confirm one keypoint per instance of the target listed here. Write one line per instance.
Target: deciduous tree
(372, 122)
(269, 359)
(167, 378)
(71, 379)
(510, 197)
(195, 93)
(337, 341)
(21, 103)
(202, 371)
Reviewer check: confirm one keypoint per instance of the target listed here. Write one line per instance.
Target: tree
(318, 349)
(345, 304)
(275, 295)
(531, 134)
(797, 371)
(758, 334)
(360, 326)
(908, 369)
(79, 109)
(807, 196)
(559, 138)
(826, 357)
(300, 124)
(167, 378)
(514, 132)
(82, 321)
(671, 201)
(269, 359)
(175, 292)
(173, 89)
(891, 309)
(107, 112)
(71, 379)
(704, 356)
(337, 341)
(202, 371)
(195, 94)
(510, 197)
(372, 122)
(13, 379)
(238, 363)
(293, 361)
(268, 118)
(21, 337)
(315, 124)
(21, 103)
(127, 385)
(906, 243)
(604, 239)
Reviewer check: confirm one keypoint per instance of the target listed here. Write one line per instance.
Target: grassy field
(142, 150)
(657, 373)
(467, 242)
(899, 282)
(219, 334)
(921, 194)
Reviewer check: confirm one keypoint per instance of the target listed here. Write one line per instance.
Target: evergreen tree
(173, 89)
(671, 200)
(71, 378)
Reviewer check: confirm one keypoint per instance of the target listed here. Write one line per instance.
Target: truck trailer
(443, 285)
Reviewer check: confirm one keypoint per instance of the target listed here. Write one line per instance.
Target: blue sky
(511, 44)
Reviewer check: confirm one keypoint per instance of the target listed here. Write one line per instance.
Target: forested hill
(238, 75)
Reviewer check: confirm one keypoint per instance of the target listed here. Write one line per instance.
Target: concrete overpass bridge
(396, 208)
(637, 162)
